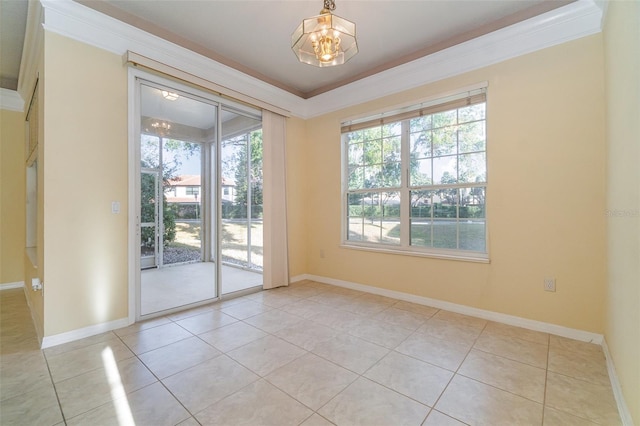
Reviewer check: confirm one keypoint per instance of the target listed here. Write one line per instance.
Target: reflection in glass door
(177, 135)
(149, 191)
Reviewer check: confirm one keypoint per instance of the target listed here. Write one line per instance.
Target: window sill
(478, 258)
(32, 254)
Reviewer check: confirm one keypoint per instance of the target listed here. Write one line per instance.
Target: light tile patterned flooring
(309, 354)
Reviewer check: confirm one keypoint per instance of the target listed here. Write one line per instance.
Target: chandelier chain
(330, 4)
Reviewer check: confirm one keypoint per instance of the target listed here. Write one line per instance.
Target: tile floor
(308, 354)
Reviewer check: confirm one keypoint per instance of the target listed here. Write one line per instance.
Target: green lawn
(440, 234)
(234, 240)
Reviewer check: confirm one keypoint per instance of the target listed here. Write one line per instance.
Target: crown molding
(31, 50)
(11, 100)
(570, 22)
(78, 22)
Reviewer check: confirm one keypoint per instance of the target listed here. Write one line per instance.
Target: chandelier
(325, 40)
(161, 128)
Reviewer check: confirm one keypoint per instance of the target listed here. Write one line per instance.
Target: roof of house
(195, 180)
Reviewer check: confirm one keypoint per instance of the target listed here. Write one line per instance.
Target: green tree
(239, 160)
(177, 151)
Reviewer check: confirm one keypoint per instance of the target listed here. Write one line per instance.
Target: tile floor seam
(159, 380)
(55, 389)
(455, 373)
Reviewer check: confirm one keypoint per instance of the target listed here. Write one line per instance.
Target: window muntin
(419, 183)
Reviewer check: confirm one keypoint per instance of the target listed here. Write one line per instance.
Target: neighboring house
(187, 189)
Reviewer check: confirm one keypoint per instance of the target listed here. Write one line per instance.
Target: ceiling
(255, 36)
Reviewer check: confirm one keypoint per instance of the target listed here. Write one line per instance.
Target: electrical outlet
(321, 254)
(549, 284)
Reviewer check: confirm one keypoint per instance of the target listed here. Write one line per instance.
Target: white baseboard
(81, 333)
(545, 327)
(625, 414)
(7, 286)
(34, 317)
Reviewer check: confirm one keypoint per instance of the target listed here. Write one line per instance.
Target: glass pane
(356, 154)
(471, 113)
(471, 137)
(234, 156)
(356, 226)
(148, 242)
(421, 203)
(444, 141)
(355, 137)
(445, 234)
(420, 123)
(356, 177)
(473, 235)
(148, 194)
(373, 176)
(355, 207)
(421, 172)
(390, 220)
(373, 152)
(256, 200)
(445, 203)
(472, 167)
(472, 202)
(445, 170)
(446, 118)
(392, 175)
(421, 232)
(420, 145)
(182, 201)
(372, 133)
(149, 152)
(391, 149)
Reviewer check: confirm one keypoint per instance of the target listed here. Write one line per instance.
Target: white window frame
(405, 247)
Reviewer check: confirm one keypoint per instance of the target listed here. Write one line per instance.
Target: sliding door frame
(212, 183)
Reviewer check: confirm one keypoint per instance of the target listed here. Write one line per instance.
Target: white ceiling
(255, 36)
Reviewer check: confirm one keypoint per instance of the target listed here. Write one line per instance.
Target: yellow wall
(85, 251)
(12, 196)
(622, 330)
(545, 199)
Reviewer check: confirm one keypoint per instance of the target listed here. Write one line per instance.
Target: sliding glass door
(199, 197)
(241, 166)
(177, 133)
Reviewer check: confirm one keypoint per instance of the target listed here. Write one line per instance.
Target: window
(415, 179)
(192, 190)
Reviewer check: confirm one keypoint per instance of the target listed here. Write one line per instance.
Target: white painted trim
(81, 333)
(623, 410)
(11, 100)
(34, 318)
(570, 22)
(15, 284)
(298, 278)
(545, 327)
(133, 273)
(31, 50)
(73, 20)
